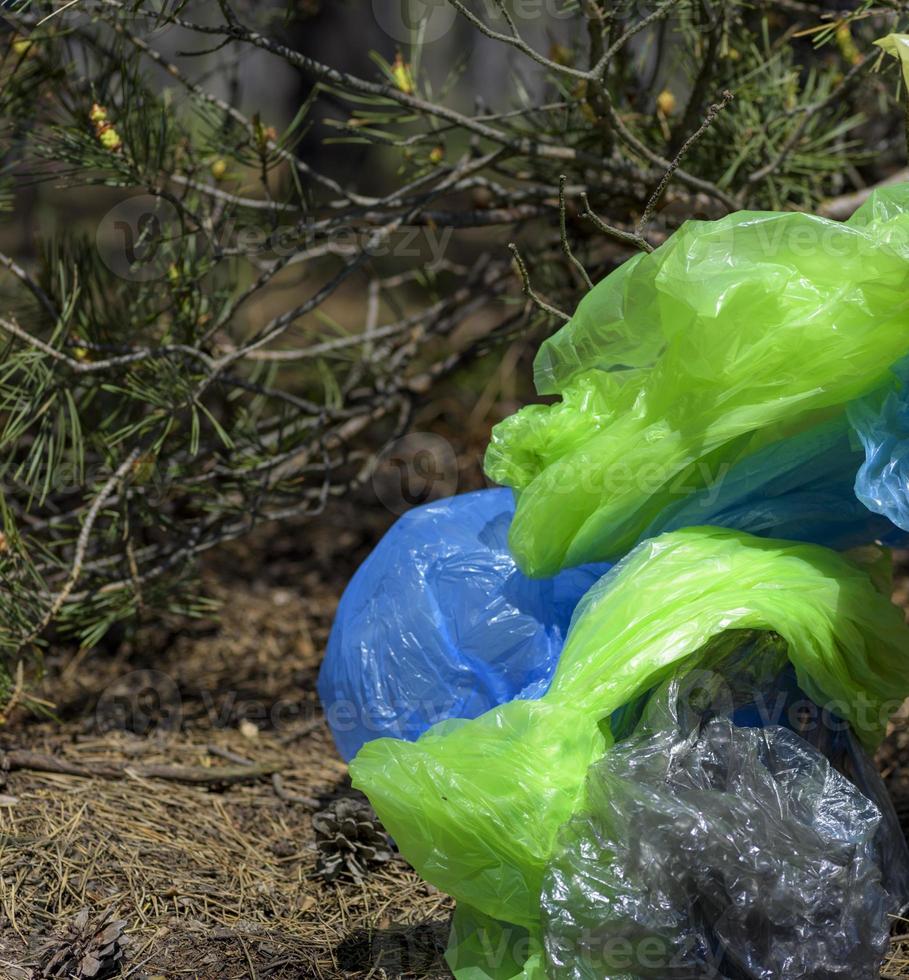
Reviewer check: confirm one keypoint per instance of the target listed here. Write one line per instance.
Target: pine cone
(349, 839)
(89, 950)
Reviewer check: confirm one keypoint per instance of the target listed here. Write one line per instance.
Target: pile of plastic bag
(660, 767)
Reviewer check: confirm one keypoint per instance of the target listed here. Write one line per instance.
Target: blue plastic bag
(438, 623)
(804, 487)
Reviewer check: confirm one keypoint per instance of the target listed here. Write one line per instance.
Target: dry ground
(216, 882)
(213, 883)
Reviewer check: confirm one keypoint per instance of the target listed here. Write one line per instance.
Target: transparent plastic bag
(675, 367)
(438, 623)
(735, 831)
(725, 852)
(745, 676)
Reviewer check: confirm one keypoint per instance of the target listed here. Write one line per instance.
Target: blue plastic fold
(803, 487)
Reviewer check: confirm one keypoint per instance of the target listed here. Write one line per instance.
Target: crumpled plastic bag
(882, 423)
(724, 852)
(720, 838)
(475, 805)
(685, 360)
(743, 677)
(438, 622)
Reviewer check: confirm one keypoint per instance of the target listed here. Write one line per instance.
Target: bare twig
(563, 232)
(82, 542)
(278, 785)
(628, 237)
(528, 288)
(515, 40)
(95, 367)
(655, 197)
(36, 291)
(213, 776)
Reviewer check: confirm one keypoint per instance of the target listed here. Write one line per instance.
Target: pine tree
(173, 376)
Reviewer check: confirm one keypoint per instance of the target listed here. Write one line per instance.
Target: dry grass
(214, 885)
(897, 964)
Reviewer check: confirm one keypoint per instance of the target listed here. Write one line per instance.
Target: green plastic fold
(685, 359)
(475, 805)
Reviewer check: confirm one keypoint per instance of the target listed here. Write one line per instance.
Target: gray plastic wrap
(716, 851)
(746, 675)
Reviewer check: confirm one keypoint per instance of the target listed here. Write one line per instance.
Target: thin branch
(344, 80)
(628, 237)
(93, 367)
(515, 40)
(659, 13)
(208, 776)
(31, 285)
(655, 197)
(563, 234)
(633, 143)
(118, 476)
(528, 288)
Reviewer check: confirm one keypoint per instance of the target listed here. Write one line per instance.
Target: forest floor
(212, 882)
(216, 881)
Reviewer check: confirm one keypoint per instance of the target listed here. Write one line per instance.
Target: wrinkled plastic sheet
(734, 831)
(736, 375)
(439, 622)
(882, 424)
(810, 486)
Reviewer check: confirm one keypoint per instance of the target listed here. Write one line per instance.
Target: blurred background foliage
(246, 246)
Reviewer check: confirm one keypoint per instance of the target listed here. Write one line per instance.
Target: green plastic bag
(476, 805)
(732, 334)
